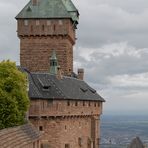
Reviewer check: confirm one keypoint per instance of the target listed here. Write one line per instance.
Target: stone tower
(63, 106)
(44, 25)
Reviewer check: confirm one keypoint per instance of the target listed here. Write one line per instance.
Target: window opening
(41, 128)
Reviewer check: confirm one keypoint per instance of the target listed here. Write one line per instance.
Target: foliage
(14, 100)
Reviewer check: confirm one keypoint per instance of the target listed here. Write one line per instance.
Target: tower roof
(49, 9)
(136, 143)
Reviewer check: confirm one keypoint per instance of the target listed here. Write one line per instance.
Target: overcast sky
(112, 47)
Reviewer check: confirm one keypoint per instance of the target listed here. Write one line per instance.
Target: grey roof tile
(46, 86)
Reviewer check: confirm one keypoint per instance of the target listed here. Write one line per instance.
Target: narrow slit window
(41, 128)
(68, 103)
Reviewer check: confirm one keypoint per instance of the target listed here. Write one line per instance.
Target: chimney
(34, 2)
(81, 73)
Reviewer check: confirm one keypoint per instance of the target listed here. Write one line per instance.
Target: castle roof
(49, 9)
(47, 86)
(19, 136)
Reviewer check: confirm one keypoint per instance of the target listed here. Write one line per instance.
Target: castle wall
(67, 122)
(67, 132)
(64, 108)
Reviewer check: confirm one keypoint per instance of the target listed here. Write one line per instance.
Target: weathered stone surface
(38, 41)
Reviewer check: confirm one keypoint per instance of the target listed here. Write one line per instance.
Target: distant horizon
(130, 113)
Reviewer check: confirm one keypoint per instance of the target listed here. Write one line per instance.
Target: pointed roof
(53, 56)
(136, 143)
(49, 9)
(53, 63)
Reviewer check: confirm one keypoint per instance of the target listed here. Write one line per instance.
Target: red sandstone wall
(38, 38)
(67, 122)
(74, 131)
(64, 108)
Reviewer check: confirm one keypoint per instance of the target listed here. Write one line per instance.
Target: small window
(95, 104)
(68, 103)
(83, 103)
(60, 22)
(40, 128)
(76, 103)
(37, 22)
(65, 127)
(48, 23)
(98, 104)
(80, 141)
(26, 22)
(67, 145)
(89, 103)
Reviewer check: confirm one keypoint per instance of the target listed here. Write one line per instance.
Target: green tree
(14, 101)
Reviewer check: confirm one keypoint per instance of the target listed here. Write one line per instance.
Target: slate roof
(47, 86)
(136, 143)
(18, 137)
(49, 9)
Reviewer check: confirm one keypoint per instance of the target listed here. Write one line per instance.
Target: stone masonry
(64, 108)
(39, 37)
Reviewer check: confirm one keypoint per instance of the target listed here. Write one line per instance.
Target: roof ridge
(45, 9)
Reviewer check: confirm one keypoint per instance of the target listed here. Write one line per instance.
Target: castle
(64, 108)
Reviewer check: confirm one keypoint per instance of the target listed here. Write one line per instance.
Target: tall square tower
(44, 25)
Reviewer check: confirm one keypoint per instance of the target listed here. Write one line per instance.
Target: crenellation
(64, 108)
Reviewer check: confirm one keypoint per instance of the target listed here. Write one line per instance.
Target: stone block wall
(67, 123)
(39, 37)
(64, 108)
(67, 132)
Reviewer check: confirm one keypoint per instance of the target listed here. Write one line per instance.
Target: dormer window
(46, 88)
(92, 90)
(84, 89)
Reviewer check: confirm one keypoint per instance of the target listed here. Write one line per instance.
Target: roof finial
(53, 63)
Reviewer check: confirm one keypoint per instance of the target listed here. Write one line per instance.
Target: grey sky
(112, 47)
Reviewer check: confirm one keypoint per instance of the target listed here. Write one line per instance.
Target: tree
(14, 101)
